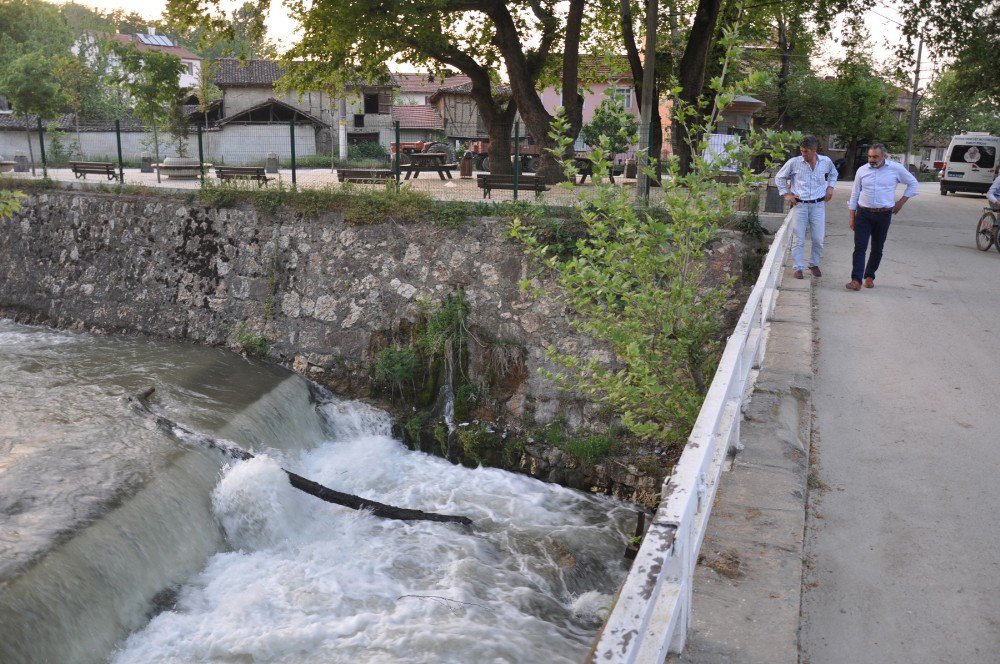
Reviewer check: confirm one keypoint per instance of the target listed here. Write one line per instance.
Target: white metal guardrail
(653, 611)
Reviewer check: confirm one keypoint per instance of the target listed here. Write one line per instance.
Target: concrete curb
(748, 584)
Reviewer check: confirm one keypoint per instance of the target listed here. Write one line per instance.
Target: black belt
(815, 200)
(879, 210)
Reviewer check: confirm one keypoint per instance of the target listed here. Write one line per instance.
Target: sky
(280, 25)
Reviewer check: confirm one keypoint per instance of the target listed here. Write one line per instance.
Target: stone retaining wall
(318, 289)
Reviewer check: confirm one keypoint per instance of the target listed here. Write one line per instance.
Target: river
(121, 543)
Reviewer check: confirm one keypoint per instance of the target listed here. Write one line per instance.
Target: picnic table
(427, 161)
(585, 167)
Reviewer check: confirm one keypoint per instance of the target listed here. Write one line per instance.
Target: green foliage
(855, 105)
(749, 223)
(613, 122)
(61, 148)
(483, 445)
(366, 150)
(221, 196)
(587, 446)
(450, 214)
(415, 425)
(395, 368)
(10, 202)
(638, 284)
(270, 308)
(443, 330)
(250, 342)
(950, 106)
(32, 87)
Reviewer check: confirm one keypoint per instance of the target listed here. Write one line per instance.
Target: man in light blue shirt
(811, 178)
(873, 202)
(993, 195)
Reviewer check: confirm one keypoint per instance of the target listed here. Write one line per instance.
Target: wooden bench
(82, 168)
(243, 173)
(365, 175)
(490, 181)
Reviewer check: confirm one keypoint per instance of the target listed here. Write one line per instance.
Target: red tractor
(530, 157)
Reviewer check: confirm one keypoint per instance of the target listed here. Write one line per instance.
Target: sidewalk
(747, 587)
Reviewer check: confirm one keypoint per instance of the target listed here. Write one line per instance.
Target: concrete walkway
(903, 537)
(895, 393)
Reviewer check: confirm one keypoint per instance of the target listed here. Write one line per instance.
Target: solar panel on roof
(155, 40)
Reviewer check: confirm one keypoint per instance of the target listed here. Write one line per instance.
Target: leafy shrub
(366, 150)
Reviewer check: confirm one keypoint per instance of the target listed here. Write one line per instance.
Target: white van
(971, 163)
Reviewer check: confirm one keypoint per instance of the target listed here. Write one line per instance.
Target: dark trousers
(874, 225)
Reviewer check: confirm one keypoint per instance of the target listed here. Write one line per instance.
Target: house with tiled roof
(249, 97)
(150, 41)
(416, 88)
(418, 123)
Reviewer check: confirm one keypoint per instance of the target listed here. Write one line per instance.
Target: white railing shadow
(652, 614)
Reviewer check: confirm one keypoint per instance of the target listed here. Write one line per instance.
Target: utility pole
(648, 102)
(913, 105)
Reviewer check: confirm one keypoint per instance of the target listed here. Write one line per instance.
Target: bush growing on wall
(637, 282)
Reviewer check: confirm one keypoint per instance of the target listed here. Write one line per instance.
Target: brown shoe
(815, 270)
(854, 285)
(869, 282)
(797, 274)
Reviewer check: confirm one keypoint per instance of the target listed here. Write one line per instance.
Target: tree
(33, 90)
(342, 40)
(950, 107)
(205, 90)
(611, 121)
(31, 26)
(151, 79)
(960, 29)
(855, 105)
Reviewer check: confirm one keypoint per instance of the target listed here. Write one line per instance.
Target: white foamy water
(312, 582)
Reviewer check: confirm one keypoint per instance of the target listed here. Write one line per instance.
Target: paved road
(903, 537)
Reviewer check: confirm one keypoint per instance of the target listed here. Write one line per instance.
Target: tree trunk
(522, 83)
(693, 65)
(572, 101)
(655, 138)
(156, 150)
(849, 156)
(31, 150)
(140, 402)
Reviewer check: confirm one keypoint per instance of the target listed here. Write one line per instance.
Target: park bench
(365, 175)
(490, 181)
(82, 168)
(242, 173)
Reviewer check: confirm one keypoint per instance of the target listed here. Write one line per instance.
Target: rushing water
(119, 543)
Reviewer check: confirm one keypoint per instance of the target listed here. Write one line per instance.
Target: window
(359, 120)
(983, 156)
(190, 68)
(371, 103)
(623, 96)
(926, 155)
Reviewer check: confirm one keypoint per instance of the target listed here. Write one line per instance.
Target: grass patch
(251, 343)
(587, 446)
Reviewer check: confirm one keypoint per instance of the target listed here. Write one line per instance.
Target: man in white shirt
(811, 177)
(993, 195)
(873, 202)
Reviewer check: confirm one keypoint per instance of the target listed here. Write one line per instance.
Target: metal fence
(296, 154)
(652, 615)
